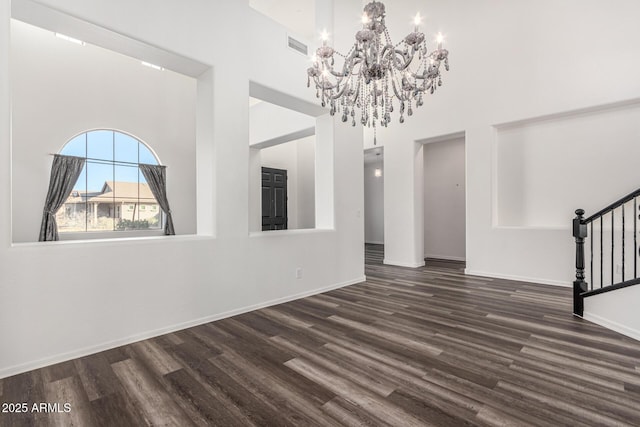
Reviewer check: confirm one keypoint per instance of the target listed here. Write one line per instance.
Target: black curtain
(156, 176)
(65, 171)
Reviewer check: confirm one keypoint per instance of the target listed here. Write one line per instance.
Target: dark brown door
(274, 199)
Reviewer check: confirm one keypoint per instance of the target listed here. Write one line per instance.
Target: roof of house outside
(115, 191)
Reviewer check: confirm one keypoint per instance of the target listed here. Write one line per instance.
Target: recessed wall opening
(283, 167)
(535, 190)
(65, 86)
(288, 133)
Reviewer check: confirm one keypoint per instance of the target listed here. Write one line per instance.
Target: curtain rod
(103, 160)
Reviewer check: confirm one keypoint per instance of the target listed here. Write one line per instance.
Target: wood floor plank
(115, 410)
(346, 414)
(581, 414)
(351, 392)
(58, 371)
(292, 402)
(155, 357)
(156, 404)
(424, 410)
(343, 367)
(69, 391)
(423, 346)
(27, 388)
(201, 405)
(97, 377)
(236, 398)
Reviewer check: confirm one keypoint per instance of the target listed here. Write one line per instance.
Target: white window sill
(275, 233)
(115, 241)
(108, 235)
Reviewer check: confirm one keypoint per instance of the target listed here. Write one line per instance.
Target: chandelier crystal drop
(375, 72)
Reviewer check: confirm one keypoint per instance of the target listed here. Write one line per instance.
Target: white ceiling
(296, 15)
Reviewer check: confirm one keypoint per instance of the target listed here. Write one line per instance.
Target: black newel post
(579, 285)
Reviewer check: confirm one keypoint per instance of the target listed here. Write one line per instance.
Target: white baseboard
(614, 326)
(518, 278)
(63, 357)
(403, 264)
(445, 257)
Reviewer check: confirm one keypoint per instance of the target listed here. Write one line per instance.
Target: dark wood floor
(427, 346)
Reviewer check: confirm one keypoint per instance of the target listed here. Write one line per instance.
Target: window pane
(71, 216)
(100, 145)
(81, 183)
(126, 148)
(100, 197)
(149, 210)
(76, 147)
(126, 209)
(146, 156)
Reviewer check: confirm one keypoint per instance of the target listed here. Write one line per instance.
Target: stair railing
(583, 229)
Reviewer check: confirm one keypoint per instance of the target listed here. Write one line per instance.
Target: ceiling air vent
(297, 45)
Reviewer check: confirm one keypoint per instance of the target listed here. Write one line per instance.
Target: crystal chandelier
(376, 71)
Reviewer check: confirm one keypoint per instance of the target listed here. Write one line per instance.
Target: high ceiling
(296, 15)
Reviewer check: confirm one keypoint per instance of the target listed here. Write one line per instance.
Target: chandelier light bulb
(439, 40)
(324, 36)
(377, 75)
(417, 20)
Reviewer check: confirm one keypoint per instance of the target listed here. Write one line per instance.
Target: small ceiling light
(150, 65)
(377, 172)
(69, 39)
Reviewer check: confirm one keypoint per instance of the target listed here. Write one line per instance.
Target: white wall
(373, 203)
(514, 62)
(48, 314)
(297, 158)
(617, 310)
(306, 194)
(60, 89)
(444, 200)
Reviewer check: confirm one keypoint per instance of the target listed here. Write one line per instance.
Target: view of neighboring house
(119, 205)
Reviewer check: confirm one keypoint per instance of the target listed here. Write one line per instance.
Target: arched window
(111, 193)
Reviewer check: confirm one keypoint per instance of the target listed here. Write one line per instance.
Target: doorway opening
(445, 202)
(374, 204)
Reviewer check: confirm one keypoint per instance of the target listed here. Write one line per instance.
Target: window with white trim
(111, 193)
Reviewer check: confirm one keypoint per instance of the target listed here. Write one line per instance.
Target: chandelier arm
(357, 61)
(395, 90)
(323, 84)
(340, 93)
(401, 66)
(385, 52)
(357, 92)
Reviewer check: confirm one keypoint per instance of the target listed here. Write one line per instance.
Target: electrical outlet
(298, 273)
